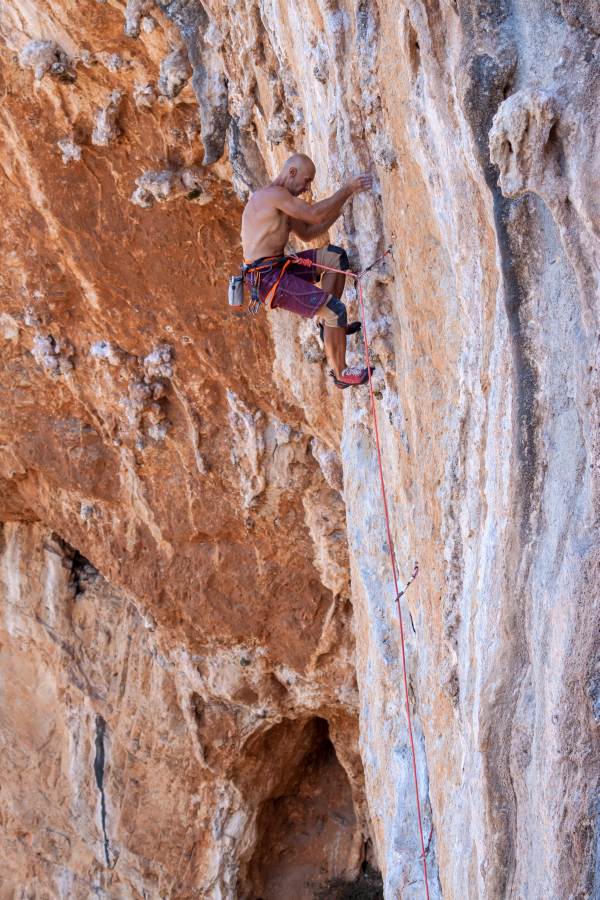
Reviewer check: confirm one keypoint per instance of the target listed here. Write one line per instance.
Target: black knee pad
(344, 261)
(339, 308)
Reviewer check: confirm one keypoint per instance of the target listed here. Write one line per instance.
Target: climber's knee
(344, 262)
(334, 257)
(332, 313)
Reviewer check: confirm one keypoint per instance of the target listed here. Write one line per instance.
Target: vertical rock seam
(99, 763)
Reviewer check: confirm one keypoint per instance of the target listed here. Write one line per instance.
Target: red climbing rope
(396, 587)
(358, 278)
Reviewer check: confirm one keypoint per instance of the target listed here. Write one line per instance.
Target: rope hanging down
(399, 593)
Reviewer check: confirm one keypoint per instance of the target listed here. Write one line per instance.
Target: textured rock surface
(199, 659)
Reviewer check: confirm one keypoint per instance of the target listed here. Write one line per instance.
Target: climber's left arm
(307, 232)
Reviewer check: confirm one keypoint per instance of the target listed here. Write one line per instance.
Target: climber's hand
(361, 183)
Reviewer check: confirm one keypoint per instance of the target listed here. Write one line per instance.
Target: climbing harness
(254, 270)
(358, 277)
(251, 270)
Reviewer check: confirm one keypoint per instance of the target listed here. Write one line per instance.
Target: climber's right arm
(315, 214)
(325, 211)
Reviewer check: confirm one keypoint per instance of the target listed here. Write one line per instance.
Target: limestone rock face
(200, 668)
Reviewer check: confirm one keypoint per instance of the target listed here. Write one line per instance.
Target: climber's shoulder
(263, 199)
(279, 199)
(269, 201)
(270, 195)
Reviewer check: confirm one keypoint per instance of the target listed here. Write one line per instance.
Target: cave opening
(309, 843)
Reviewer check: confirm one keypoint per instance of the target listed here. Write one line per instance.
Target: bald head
(297, 173)
(299, 161)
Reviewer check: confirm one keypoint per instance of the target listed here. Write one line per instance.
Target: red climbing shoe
(351, 377)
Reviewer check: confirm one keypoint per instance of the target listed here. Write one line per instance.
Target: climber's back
(265, 228)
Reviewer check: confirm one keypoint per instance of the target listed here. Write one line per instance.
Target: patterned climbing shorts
(298, 291)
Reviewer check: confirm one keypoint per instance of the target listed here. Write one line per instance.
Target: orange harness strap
(268, 260)
(271, 295)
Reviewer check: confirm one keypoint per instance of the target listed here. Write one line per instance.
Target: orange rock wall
(201, 678)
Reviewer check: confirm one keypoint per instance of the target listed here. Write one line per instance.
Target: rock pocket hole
(554, 151)
(414, 49)
(83, 573)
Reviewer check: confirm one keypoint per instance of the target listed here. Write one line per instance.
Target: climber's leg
(351, 328)
(333, 318)
(334, 337)
(335, 258)
(333, 283)
(335, 348)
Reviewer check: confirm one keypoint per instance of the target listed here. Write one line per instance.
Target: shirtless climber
(269, 217)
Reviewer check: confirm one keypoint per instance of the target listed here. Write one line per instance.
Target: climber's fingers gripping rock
(361, 183)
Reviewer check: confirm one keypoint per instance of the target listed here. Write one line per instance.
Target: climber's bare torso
(265, 228)
(267, 219)
(276, 210)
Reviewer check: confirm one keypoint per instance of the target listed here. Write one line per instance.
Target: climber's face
(301, 178)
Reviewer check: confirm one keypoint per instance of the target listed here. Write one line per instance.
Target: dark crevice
(414, 50)
(246, 161)
(490, 80)
(526, 376)
(99, 763)
(368, 886)
(554, 151)
(83, 573)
